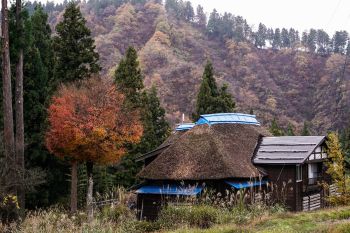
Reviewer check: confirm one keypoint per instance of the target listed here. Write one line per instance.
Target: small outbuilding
(231, 151)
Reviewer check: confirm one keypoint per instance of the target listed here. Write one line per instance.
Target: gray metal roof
(286, 149)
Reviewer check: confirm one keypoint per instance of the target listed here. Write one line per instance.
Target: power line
(334, 11)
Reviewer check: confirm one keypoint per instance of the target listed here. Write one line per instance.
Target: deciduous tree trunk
(89, 207)
(19, 137)
(74, 186)
(9, 139)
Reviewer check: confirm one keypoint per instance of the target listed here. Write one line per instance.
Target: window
(314, 172)
(299, 172)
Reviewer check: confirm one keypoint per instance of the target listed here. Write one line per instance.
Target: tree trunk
(89, 206)
(74, 187)
(19, 136)
(9, 139)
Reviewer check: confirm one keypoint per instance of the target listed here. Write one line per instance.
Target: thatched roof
(170, 140)
(208, 152)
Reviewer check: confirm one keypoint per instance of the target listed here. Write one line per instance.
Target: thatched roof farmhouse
(232, 151)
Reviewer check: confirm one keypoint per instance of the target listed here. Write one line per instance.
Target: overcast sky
(330, 15)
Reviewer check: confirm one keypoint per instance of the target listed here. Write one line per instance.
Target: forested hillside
(276, 73)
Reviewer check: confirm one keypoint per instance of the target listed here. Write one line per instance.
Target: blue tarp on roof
(227, 118)
(246, 184)
(169, 190)
(185, 126)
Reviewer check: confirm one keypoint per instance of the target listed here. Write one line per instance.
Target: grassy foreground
(196, 219)
(335, 220)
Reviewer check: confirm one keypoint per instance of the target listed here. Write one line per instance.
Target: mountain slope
(289, 84)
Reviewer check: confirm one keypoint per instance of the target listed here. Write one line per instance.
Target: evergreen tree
(156, 130)
(201, 17)
(276, 43)
(305, 131)
(285, 40)
(224, 101)
(76, 58)
(304, 39)
(205, 100)
(311, 40)
(292, 34)
(340, 39)
(275, 129)
(322, 42)
(208, 75)
(129, 80)
(270, 36)
(261, 36)
(213, 22)
(188, 11)
(290, 130)
(209, 98)
(128, 77)
(38, 70)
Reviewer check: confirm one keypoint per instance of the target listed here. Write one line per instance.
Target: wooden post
(73, 187)
(89, 208)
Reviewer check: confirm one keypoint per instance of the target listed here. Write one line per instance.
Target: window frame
(299, 173)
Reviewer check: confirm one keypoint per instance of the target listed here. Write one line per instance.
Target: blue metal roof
(246, 184)
(228, 118)
(185, 126)
(169, 190)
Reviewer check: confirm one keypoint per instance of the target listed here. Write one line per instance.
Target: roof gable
(286, 149)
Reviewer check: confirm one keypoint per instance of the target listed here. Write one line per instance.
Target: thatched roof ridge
(208, 152)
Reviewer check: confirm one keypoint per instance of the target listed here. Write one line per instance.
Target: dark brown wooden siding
(283, 178)
(148, 206)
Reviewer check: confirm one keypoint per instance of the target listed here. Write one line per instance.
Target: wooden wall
(283, 178)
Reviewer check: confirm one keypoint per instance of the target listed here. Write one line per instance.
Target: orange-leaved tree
(88, 122)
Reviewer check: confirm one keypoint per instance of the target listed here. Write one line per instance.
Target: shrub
(202, 216)
(115, 213)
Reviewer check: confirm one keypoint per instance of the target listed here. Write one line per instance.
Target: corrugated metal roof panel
(227, 118)
(246, 184)
(185, 126)
(286, 149)
(170, 190)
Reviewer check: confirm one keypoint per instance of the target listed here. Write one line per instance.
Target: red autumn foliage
(88, 123)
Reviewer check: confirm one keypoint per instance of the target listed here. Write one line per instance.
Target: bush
(116, 213)
(202, 216)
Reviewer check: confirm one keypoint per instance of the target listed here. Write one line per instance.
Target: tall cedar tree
(9, 137)
(156, 130)
(89, 123)
(129, 79)
(19, 122)
(76, 59)
(210, 99)
(74, 47)
(38, 70)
